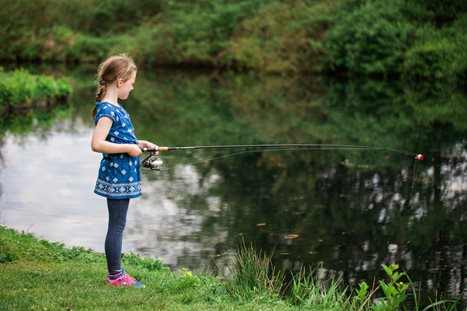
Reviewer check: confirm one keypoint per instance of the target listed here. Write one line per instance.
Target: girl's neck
(111, 97)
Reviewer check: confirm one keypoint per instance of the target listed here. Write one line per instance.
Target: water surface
(351, 210)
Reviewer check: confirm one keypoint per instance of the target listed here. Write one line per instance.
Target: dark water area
(347, 211)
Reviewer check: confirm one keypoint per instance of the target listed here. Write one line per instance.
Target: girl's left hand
(149, 145)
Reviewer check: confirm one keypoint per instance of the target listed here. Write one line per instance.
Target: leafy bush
(22, 88)
(281, 36)
(441, 12)
(369, 39)
(197, 33)
(438, 55)
(87, 48)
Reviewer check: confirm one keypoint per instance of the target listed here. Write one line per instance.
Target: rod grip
(155, 149)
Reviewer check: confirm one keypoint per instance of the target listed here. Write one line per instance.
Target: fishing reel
(153, 162)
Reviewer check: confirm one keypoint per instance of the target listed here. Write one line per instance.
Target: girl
(119, 176)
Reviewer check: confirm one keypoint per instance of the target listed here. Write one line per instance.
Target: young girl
(119, 176)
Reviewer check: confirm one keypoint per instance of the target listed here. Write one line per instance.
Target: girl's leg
(118, 209)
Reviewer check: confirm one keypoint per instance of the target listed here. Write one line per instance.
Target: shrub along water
(20, 89)
(39, 274)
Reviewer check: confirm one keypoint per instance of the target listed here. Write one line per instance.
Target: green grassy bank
(36, 274)
(20, 89)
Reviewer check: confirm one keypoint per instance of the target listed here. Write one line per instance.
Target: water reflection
(350, 209)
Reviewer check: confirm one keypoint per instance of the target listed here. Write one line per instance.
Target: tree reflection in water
(351, 210)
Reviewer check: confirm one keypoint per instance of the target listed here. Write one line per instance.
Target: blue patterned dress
(119, 175)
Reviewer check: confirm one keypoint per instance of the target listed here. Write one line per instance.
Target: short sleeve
(105, 110)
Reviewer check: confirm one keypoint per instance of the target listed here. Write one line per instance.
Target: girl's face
(125, 87)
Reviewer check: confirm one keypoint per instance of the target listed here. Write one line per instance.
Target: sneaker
(124, 280)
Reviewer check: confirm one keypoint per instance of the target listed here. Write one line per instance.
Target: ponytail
(100, 92)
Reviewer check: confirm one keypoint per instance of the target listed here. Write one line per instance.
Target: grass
(37, 274)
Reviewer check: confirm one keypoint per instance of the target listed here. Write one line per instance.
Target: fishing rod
(154, 162)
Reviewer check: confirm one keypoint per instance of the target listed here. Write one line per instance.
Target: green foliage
(187, 279)
(394, 290)
(146, 263)
(395, 294)
(438, 55)
(369, 39)
(281, 36)
(307, 290)
(22, 88)
(362, 294)
(440, 12)
(358, 37)
(253, 275)
(118, 16)
(196, 33)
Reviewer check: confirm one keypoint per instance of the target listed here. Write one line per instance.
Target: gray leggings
(118, 209)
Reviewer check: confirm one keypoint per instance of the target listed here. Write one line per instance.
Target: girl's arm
(99, 144)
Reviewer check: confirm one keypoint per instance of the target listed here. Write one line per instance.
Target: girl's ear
(119, 82)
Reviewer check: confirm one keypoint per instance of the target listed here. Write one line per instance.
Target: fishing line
(249, 151)
(153, 161)
(283, 147)
(413, 181)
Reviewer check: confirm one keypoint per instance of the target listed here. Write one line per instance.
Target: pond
(347, 210)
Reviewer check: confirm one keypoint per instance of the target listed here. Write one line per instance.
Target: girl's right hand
(134, 151)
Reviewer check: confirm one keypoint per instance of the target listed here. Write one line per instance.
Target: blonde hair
(110, 70)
